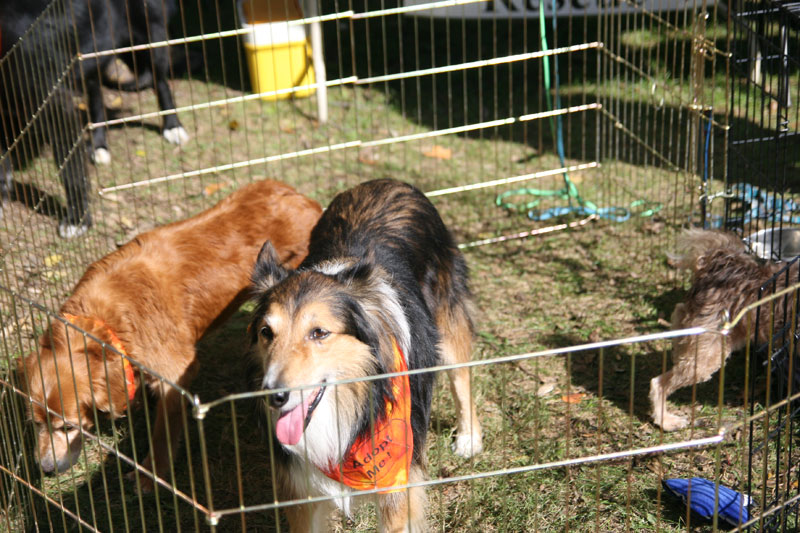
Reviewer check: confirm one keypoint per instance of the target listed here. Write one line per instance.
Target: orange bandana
(382, 459)
(130, 378)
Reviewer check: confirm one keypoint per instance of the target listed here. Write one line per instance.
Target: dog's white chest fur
(308, 479)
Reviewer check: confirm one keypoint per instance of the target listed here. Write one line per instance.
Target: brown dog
(725, 278)
(153, 299)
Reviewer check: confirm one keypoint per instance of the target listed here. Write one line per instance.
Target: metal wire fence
(597, 122)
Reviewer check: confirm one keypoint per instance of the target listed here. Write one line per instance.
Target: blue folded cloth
(732, 504)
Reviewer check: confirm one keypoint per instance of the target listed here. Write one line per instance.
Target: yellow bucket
(278, 54)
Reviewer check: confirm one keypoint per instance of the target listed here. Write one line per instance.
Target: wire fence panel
(565, 145)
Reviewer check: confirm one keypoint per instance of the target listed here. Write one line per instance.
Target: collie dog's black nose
(278, 399)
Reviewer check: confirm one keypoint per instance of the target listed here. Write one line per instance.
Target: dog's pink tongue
(289, 428)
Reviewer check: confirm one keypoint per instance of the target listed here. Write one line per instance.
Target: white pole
(319, 61)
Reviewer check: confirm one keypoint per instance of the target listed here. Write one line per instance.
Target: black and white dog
(41, 39)
(383, 289)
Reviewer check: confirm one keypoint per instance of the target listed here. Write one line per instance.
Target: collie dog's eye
(266, 333)
(317, 334)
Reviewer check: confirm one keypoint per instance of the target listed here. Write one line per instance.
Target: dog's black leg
(69, 151)
(6, 172)
(100, 154)
(173, 130)
(6, 179)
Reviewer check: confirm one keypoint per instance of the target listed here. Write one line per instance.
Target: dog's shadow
(34, 198)
(222, 463)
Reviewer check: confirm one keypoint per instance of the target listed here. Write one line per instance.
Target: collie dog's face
(312, 329)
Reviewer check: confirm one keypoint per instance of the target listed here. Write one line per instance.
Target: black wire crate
(773, 452)
(764, 139)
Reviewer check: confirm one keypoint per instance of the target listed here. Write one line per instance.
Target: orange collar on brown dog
(382, 459)
(116, 343)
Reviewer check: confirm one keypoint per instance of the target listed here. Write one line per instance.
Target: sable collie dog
(153, 299)
(724, 278)
(383, 289)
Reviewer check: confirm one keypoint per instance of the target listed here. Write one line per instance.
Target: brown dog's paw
(671, 422)
(146, 483)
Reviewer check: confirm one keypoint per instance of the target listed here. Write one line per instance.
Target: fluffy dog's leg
(405, 511)
(310, 517)
(660, 388)
(456, 348)
(696, 359)
(658, 385)
(306, 518)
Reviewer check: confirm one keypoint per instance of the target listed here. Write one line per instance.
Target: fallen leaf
(115, 103)
(82, 106)
(286, 128)
(54, 259)
(125, 221)
(439, 152)
(573, 398)
(212, 188)
(140, 153)
(55, 275)
(545, 389)
(368, 157)
(233, 125)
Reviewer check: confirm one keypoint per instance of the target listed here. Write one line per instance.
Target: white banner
(503, 9)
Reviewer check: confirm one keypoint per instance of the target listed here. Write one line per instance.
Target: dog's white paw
(70, 231)
(468, 445)
(101, 156)
(670, 422)
(176, 135)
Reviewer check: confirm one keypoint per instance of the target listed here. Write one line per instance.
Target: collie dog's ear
(362, 271)
(268, 270)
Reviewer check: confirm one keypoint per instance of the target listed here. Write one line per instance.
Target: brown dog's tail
(696, 245)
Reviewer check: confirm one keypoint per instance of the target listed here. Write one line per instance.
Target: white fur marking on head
(391, 307)
(332, 267)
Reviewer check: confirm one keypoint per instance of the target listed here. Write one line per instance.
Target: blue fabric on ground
(732, 504)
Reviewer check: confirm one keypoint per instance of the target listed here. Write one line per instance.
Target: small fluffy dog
(724, 278)
(383, 289)
(153, 299)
